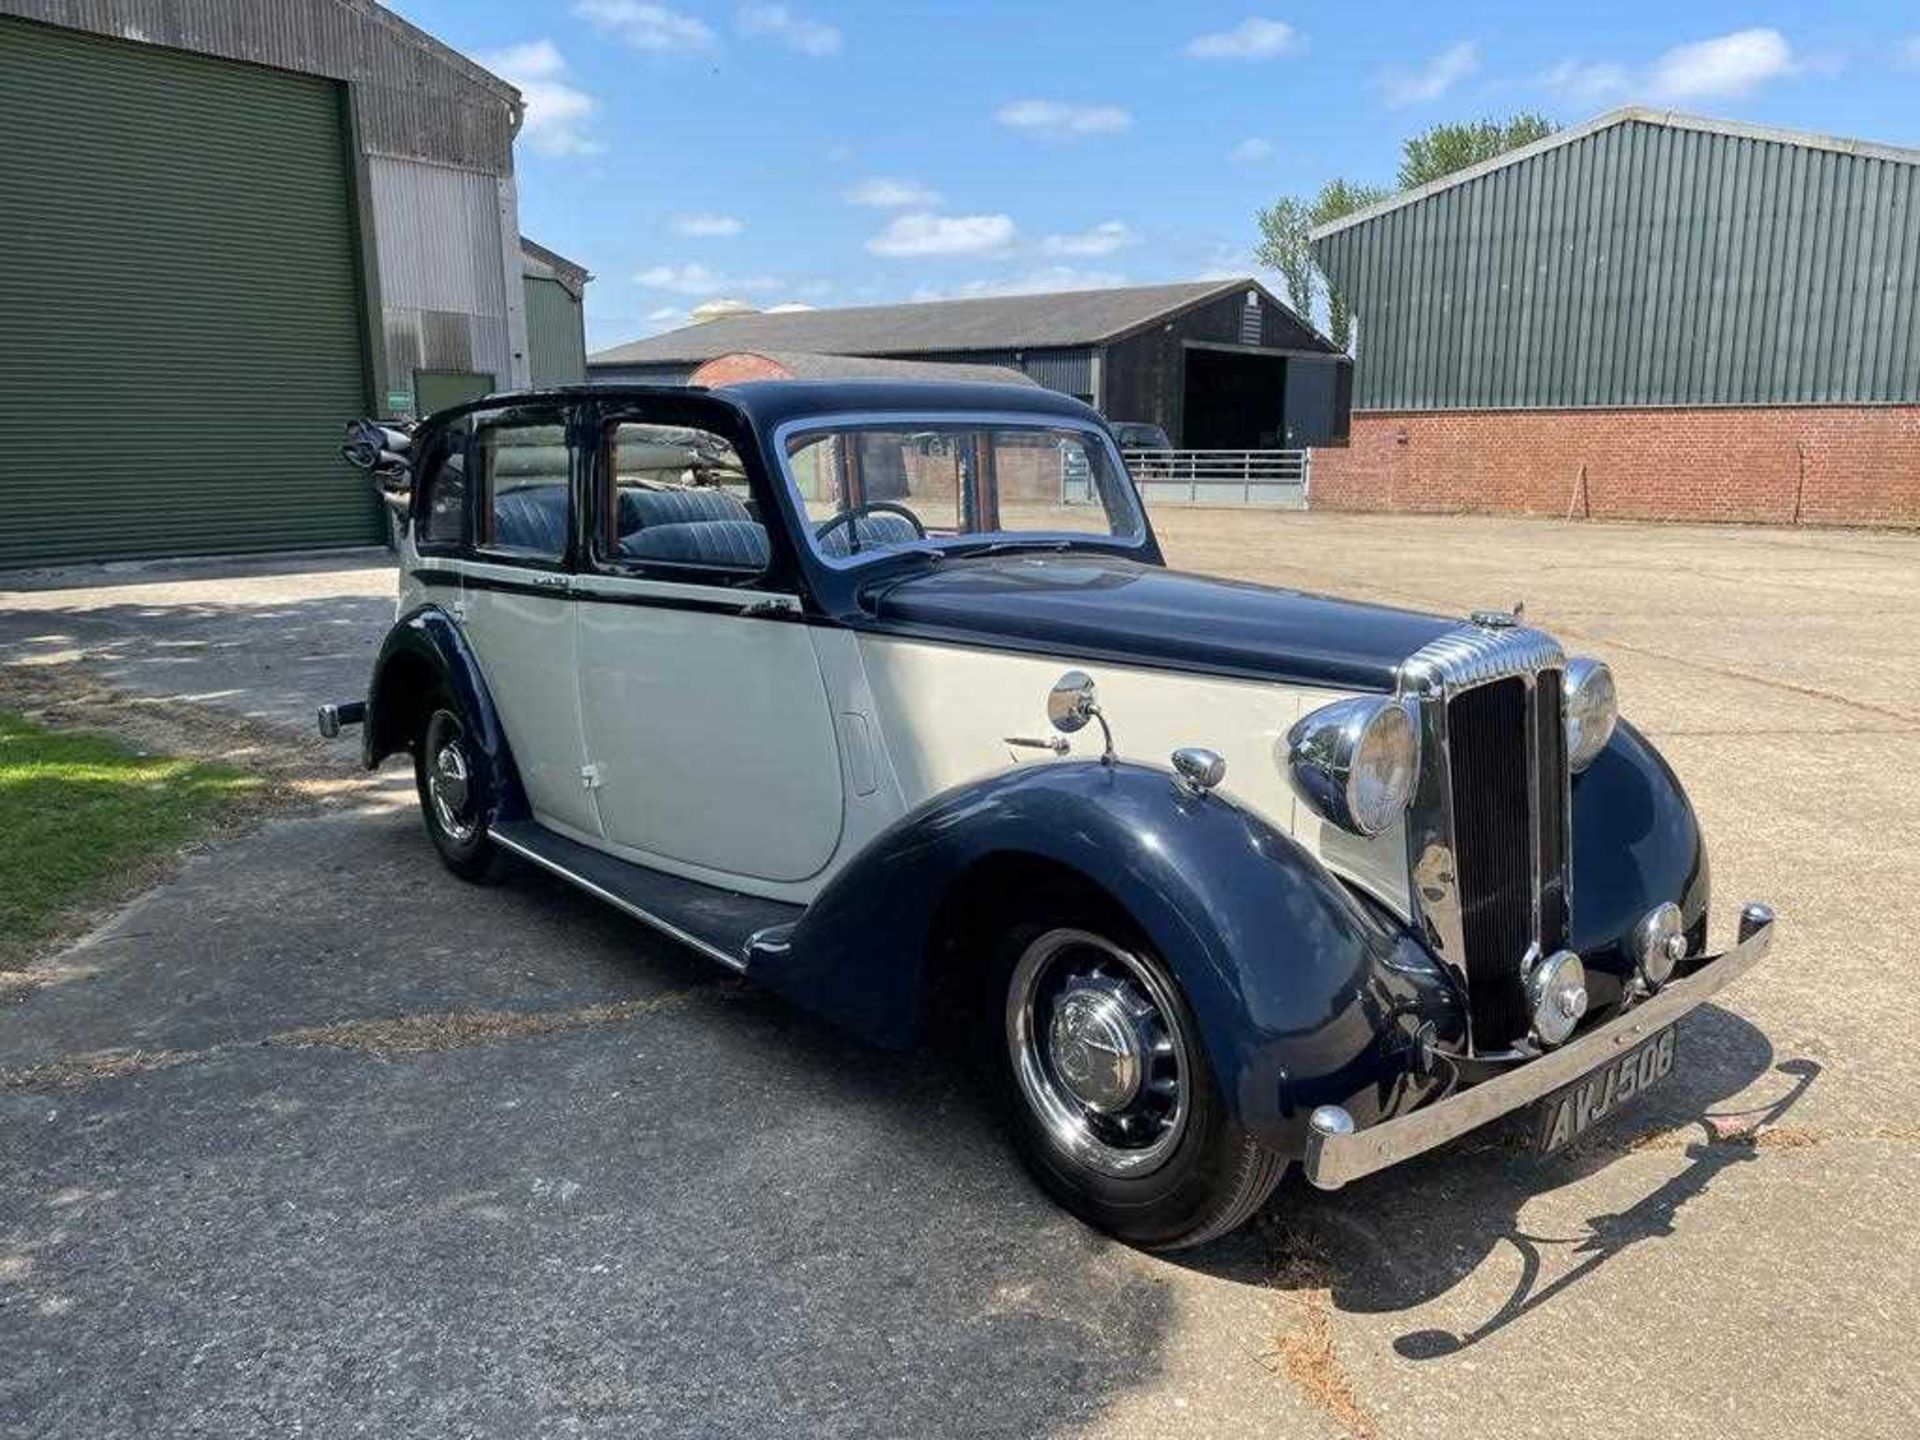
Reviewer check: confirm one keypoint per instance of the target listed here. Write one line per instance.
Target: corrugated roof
(1002, 322)
(1670, 119)
(804, 365)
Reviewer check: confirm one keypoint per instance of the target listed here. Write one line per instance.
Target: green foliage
(1337, 200)
(1283, 247)
(82, 818)
(1447, 148)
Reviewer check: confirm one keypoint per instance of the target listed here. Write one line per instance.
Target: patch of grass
(85, 820)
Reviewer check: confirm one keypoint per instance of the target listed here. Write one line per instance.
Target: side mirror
(1072, 702)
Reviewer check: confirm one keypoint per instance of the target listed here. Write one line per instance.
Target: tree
(1283, 247)
(1447, 148)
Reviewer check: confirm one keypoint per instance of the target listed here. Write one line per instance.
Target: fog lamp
(1658, 943)
(1557, 992)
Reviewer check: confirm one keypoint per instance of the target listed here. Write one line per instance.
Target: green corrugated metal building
(1642, 262)
(230, 228)
(556, 290)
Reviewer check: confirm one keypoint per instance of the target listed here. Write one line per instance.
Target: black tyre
(1114, 1106)
(453, 801)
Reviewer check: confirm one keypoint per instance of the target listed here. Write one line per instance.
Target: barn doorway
(1234, 400)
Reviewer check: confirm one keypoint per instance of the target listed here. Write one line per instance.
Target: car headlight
(1592, 708)
(1356, 761)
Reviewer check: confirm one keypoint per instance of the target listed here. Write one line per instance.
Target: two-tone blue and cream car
(881, 693)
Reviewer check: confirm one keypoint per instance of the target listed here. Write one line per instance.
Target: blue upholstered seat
(531, 517)
(737, 544)
(882, 527)
(640, 508)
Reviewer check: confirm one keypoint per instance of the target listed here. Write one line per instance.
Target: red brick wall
(1827, 465)
(740, 366)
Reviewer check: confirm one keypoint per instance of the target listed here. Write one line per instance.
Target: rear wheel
(1114, 1104)
(453, 798)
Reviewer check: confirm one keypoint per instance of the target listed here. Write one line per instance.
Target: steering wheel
(847, 518)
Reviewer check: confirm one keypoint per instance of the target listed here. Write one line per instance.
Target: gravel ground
(311, 1136)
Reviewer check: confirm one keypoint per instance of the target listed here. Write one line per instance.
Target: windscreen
(873, 487)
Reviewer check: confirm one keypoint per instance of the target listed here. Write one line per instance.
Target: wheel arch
(1298, 990)
(424, 654)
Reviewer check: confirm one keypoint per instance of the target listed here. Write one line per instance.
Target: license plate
(1567, 1114)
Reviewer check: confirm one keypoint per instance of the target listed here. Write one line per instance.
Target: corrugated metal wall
(1643, 264)
(182, 341)
(443, 292)
(411, 97)
(556, 337)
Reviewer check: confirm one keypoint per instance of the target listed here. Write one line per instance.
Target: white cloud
(1586, 83)
(557, 112)
(1103, 239)
(1252, 39)
(796, 32)
(1251, 150)
(919, 233)
(1724, 67)
(1058, 120)
(1908, 54)
(790, 307)
(1044, 281)
(883, 193)
(706, 226)
(696, 279)
(1433, 79)
(652, 28)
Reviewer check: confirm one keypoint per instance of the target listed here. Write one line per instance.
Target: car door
(707, 721)
(519, 614)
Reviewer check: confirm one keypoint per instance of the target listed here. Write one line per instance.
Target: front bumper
(1338, 1153)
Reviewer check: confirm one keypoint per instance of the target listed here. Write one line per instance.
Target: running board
(720, 924)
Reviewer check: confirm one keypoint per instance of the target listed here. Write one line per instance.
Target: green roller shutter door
(183, 335)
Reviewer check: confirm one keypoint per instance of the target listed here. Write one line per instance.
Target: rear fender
(425, 652)
(1303, 994)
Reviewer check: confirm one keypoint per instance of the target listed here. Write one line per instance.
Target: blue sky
(843, 154)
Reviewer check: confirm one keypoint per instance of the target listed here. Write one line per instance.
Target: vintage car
(881, 694)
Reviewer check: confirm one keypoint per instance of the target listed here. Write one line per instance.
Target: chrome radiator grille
(1487, 833)
(1493, 850)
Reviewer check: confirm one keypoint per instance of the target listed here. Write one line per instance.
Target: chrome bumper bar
(1338, 1153)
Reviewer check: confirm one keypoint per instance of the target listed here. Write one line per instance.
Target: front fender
(1636, 843)
(425, 652)
(1304, 996)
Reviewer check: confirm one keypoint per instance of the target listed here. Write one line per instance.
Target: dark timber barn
(1219, 365)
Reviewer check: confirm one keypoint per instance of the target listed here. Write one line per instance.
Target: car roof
(769, 403)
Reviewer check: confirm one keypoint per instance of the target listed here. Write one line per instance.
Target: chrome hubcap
(1098, 1051)
(1093, 1047)
(450, 788)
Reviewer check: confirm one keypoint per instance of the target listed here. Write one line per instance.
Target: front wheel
(1113, 1101)
(453, 800)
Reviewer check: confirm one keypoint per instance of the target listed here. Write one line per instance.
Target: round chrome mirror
(1072, 702)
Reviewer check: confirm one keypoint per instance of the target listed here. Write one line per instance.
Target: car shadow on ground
(1404, 1238)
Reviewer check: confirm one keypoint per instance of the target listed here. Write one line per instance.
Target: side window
(443, 503)
(525, 474)
(678, 497)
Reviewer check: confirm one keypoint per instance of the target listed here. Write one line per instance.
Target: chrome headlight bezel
(1591, 710)
(1333, 759)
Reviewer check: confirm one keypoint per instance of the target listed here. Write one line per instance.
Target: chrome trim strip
(599, 892)
(1334, 1159)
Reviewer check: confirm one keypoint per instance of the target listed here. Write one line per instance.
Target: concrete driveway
(313, 1136)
